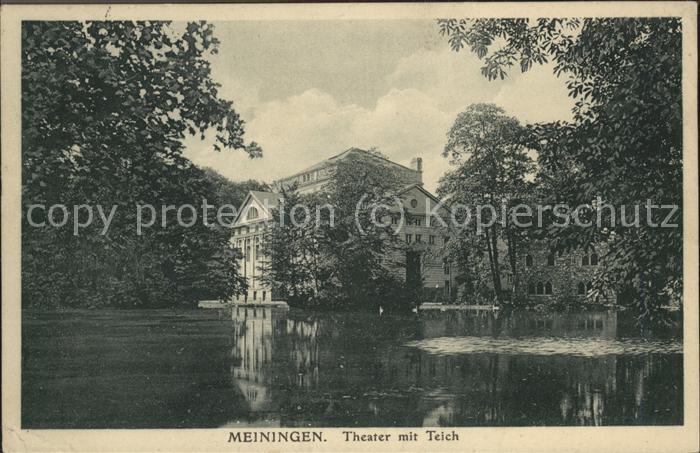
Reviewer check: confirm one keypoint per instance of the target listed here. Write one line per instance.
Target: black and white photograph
(369, 231)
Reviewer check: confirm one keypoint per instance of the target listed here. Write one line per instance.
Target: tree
(361, 191)
(105, 107)
(624, 144)
(293, 267)
(231, 192)
(339, 257)
(492, 164)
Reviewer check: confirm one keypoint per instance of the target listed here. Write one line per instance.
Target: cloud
(536, 96)
(425, 92)
(452, 79)
(304, 129)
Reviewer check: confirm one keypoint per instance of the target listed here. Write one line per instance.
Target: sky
(308, 90)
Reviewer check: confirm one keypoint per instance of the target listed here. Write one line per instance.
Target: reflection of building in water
(493, 389)
(270, 352)
(516, 324)
(303, 351)
(331, 371)
(254, 331)
(516, 389)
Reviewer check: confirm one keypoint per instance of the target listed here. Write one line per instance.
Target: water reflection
(451, 369)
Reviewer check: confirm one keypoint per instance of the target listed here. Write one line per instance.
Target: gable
(424, 201)
(253, 210)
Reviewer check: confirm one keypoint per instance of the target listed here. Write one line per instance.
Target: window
(446, 267)
(257, 251)
(255, 295)
(418, 238)
(540, 288)
(548, 288)
(528, 260)
(247, 253)
(252, 213)
(417, 221)
(394, 220)
(531, 288)
(414, 203)
(431, 239)
(594, 259)
(581, 288)
(408, 239)
(447, 288)
(264, 294)
(550, 260)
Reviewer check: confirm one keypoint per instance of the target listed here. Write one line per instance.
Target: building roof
(341, 156)
(269, 199)
(420, 187)
(426, 192)
(265, 199)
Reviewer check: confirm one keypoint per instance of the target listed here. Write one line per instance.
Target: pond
(273, 367)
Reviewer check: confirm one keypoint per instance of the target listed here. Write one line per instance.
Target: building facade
(544, 276)
(254, 216)
(418, 260)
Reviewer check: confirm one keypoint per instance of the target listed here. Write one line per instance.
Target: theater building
(419, 260)
(544, 276)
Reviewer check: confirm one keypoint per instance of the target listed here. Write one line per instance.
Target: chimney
(417, 164)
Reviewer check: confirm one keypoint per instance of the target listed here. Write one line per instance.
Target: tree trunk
(496, 267)
(512, 257)
(493, 261)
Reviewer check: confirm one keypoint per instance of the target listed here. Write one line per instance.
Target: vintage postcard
(350, 227)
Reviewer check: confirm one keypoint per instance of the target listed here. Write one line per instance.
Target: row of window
(306, 177)
(245, 230)
(239, 246)
(253, 214)
(255, 296)
(586, 260)
(415, 221)
(541, 288)
(408, 220)
(419, 239)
